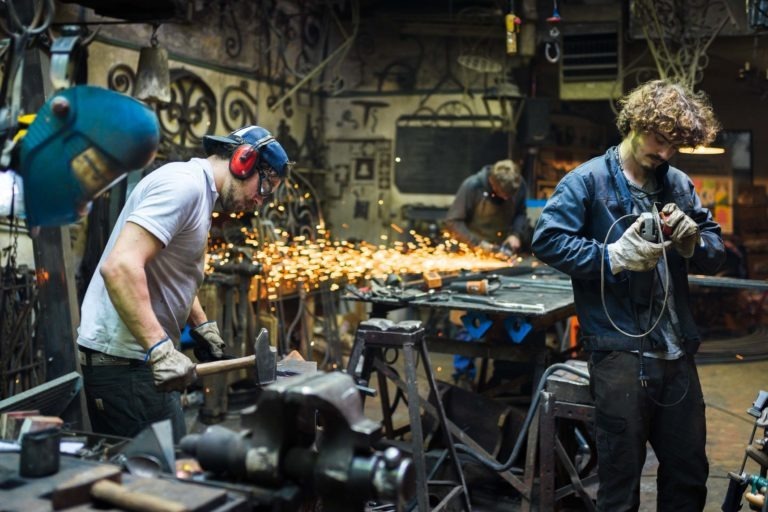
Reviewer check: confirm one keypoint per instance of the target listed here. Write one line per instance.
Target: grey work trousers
(629, 415)
(122, 401)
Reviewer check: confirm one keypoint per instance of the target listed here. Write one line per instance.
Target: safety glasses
(268, 181)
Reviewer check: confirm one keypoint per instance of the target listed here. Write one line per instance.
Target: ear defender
(243, 162)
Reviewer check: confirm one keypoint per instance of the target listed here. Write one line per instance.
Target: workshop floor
(729, 390)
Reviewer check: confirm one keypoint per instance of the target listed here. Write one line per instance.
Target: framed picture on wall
(364, 169)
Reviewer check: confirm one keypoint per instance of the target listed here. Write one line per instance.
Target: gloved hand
(633, 252)
(209, 345)
(488, 247)
(513, 243)
(171, 370)
(685, 231)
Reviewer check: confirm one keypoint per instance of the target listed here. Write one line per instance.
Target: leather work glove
(171, 370)
(633, 252)
(685, 231)
(488, 247)
(511, 245)
(209, 345)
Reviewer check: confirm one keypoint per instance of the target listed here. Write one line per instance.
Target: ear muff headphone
(245, 158)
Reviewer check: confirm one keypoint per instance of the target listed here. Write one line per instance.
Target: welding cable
(657, 219)
(507, 466)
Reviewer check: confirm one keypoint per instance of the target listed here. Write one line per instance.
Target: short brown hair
(507, 176)
(671, 109)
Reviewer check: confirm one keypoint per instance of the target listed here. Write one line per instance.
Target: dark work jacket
(571, 235)
(474, 216)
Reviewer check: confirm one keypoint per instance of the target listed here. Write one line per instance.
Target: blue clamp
(517, 328)
(476, 324)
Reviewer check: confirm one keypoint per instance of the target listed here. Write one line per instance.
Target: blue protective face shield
(82, 141)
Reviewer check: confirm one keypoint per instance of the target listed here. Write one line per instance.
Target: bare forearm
(129, 293)
(196, 315)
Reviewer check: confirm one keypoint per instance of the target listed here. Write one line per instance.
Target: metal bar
(417, 436)
(540, 283)
(444, 421)
(728, 282)
(529, 475)
(576, 484)
(546, 454)
(458, 434)
(386, 404)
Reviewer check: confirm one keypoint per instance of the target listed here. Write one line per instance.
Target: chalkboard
(435, 160)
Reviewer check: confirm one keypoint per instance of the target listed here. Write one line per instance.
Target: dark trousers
(122, 401)
(629, 415)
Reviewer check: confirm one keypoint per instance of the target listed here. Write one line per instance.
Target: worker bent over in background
(489, 213)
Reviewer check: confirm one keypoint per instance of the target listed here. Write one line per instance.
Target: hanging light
(153, 79)
(702, 150)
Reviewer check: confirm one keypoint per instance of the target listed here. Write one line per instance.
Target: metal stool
(566, 400)
(372, 338)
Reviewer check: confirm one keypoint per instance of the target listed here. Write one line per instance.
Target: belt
(90, 357)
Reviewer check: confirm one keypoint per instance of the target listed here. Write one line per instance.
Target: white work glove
(171, 370)
(633, 252)
(209, 345)
(685, 231)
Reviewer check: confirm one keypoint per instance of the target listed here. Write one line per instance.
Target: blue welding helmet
(250, 147)
(82, 141)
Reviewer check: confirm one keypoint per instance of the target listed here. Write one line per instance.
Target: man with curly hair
(631, 294)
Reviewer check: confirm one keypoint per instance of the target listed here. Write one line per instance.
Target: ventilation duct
(590, 67)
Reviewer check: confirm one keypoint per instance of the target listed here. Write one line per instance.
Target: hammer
(103, 483)
(263, 360)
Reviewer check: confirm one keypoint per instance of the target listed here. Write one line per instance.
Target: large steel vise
(307, 434)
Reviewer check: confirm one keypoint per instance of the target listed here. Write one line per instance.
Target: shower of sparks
(308, 265)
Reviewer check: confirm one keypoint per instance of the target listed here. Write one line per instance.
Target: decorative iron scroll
(190, 114)
(23, 363)
(238, 107)
(679, 33)
(121, 78)
(295, 209)
(233, 44)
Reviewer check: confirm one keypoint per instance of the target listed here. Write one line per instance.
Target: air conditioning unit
(590, 65)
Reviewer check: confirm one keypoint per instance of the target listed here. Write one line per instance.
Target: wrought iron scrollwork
(190, 114)
(121, 78)
(295, 209)
(233, 44)
(238, 107)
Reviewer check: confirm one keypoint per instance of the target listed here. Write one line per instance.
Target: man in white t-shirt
(144, 290)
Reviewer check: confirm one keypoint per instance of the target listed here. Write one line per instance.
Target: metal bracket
(62, 65)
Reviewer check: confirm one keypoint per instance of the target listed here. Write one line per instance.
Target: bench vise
(280, 448)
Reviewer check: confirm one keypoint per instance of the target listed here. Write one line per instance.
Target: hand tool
(264, 360)
(103, 483)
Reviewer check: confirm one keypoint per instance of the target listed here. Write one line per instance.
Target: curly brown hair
(685, 117)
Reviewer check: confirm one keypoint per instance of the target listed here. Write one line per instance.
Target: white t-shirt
(174, 203)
